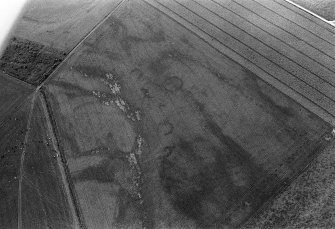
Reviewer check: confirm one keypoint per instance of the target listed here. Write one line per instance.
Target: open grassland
(160, 130)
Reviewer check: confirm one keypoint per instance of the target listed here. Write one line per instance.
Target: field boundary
(62, 162)
(22, 159)
(307, 11)
(323, 145)
(17, 81)
(222, 49)
(69, 55)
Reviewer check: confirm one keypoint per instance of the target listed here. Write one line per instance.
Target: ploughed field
(145, 124)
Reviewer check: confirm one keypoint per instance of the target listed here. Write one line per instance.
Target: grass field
(160, 130)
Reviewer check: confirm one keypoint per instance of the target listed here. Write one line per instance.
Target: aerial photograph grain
(167, 114)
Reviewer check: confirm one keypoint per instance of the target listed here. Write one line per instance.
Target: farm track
(73, 199)
(22, 160)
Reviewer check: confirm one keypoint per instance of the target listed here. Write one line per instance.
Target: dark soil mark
(101, 150)
(91, 71)
(71, 90)
(208, 191)
(159, 66)
(113, 55)
(240, 153)
(116, 162)
(30, 61)
(166, 127)
(120, 31)
(173, 84)
(223, 78)
(124, 202)
(264, 185)
(103, 173)
(304, 154)
(237, 185)
(30, 19)
(186, 41)
(93, 49)
(281, 114)
(106, 172)
(157, 37)
(268, 102)
(252, 89)
(146, 93)
(323, 8)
